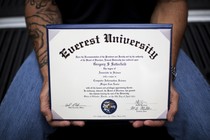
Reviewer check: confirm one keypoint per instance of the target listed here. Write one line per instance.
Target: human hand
(45, 109)
(174, 98)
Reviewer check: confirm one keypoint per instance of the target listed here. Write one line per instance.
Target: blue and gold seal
(109, 106)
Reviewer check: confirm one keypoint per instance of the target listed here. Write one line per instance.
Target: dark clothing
(106, 11)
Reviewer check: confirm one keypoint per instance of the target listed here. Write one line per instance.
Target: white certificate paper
(109, 71)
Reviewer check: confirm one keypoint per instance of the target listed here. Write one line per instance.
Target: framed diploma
(109, 71)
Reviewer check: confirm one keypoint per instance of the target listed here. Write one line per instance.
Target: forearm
(39, 13)
(173, 12)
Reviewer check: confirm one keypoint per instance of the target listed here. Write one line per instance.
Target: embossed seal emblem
(108, 106)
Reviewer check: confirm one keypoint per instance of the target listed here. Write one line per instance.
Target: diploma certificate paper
(109, 71)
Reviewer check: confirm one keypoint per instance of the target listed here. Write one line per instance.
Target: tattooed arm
(39, 13)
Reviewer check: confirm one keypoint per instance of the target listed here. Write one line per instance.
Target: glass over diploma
(106, 71)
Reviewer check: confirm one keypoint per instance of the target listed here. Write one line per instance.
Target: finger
(66, 123)
(44, 101)
(173, 105)
(137, 124)
(154, 123)
(44, 107)
(78, 123)
(59, 123)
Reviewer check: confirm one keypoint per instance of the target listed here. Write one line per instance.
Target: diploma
(109, 71)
